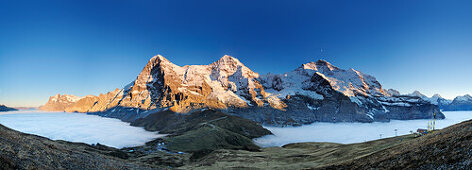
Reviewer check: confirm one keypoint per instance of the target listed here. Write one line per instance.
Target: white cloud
(77, 127)
(352, 132)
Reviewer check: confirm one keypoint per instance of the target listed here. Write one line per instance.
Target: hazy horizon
(92, 47)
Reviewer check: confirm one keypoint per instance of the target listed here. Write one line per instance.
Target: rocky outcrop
(59, 102)
(316, 91)
(4, 108)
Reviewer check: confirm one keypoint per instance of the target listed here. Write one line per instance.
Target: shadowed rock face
(316, 91)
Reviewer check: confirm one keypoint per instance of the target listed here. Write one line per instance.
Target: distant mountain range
(460, 103)
(4, 108)
(315, 91)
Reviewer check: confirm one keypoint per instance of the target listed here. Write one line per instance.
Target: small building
(422, 131)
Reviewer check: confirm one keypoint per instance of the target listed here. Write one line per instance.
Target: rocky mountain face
(319, 91)
(4, 108)
(316, 91)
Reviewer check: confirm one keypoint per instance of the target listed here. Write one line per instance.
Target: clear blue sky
(89, 47)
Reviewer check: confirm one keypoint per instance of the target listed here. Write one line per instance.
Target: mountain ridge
(459, 103)
(4, 108)
(315, 91)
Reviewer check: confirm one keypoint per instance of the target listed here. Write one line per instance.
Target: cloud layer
(352, 132)
(77, 127)
(91, 129)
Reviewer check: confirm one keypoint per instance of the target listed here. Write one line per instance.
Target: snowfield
(77, 127)
(353, 132)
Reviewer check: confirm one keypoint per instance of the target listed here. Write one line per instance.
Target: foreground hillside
(450, 148)
(314, 92)
(24, 151)
(193, 135)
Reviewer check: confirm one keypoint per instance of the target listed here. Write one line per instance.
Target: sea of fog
(91, 129)
(353, 132)
(77, 127)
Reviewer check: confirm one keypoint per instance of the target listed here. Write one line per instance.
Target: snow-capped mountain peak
(459, 103)
(349, 82)
(316, 91)
(436, 99)
(320, 66)
(228, 61)
(418, 94)
(228, 66)
(65, 98)
(393, 92)
(59, 102)
(466, 97)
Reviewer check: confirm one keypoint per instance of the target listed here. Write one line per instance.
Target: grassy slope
(203, 132)
(294, 156)
(450, 148)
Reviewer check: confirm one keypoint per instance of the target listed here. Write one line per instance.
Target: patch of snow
(396, 104)
(311, 107)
